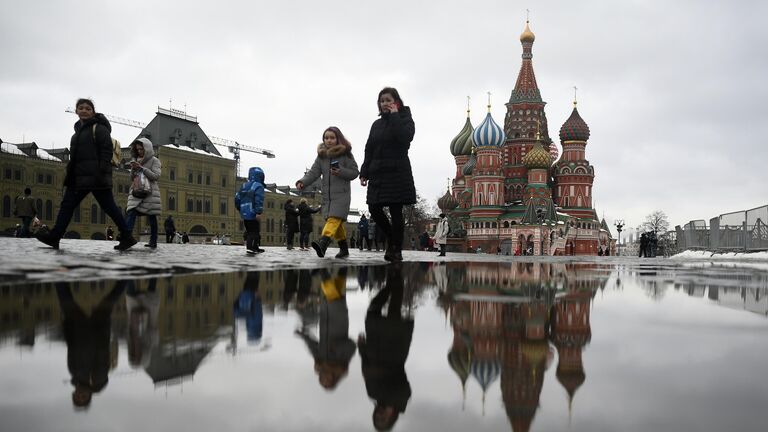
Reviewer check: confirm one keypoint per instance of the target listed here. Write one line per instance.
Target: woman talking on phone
(386, 169)
(337, 166)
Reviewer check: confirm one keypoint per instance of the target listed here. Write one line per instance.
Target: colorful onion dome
(488, 134)
(447, 202)
(527, 35)
(537, 158)
(553, 151)
(485, 371)
(575, 128)
(462, 143)
(470, 165)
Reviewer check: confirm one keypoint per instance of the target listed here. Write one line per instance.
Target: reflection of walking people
(249, 201)
(140, 200)
(334, 349)
(24, 208)
(441, 233)
(248, 306)
(386, 169)
(143, 333)
(291, 222)
(384, 350)
(305, 223)
(87, 338)
(89, 171)
(337, 167)
(170, 229)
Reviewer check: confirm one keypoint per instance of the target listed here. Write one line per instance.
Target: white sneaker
(250, 252)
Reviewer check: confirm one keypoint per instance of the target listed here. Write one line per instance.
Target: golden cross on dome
(527, 15)
(489, 101)
(468, 100)
(574, 95)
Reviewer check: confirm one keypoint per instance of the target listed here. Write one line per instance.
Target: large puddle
(417, 346)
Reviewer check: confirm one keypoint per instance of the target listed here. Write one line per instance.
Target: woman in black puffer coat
(89, 170)
(386, 169)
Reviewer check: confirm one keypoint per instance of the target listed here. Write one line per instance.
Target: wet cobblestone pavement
(202, 337)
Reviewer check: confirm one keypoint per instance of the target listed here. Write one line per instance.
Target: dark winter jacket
(291, 217)
(336, 189)
(386, 164)
(305, 217)
(383, 354)
(170, 227)
(90, 148)
(249, 200)
(362, 226)
(24, 206)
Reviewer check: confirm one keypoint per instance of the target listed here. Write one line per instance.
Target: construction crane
(234, 147)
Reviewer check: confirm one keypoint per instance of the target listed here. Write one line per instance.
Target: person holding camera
(144, 194)
(337, 167)
(386, 169)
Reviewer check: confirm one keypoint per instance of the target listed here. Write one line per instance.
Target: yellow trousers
(334, 228)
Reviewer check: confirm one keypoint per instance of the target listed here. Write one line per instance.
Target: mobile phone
(335, 164)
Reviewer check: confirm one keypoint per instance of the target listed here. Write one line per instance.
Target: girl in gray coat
(338, 168)
(148, 203)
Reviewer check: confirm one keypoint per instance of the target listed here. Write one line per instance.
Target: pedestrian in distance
(143, 200)
(305, 223)
(373, 235)
(337, 167)
(249, 201)
(89, 171)
(24, 208)
(386, 169)
(643, 246)
(291, 223)
(110, 233)
(170, 229)
(362, 232)
(441, 233)
(184, 238)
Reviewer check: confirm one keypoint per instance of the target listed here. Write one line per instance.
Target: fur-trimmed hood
(339, 149)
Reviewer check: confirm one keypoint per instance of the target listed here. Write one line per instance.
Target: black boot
(49, 238)
(321, 245)
(343, 249)
(393, 253)
(126, 241)
(442, 250)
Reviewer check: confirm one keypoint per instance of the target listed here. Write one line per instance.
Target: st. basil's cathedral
(511, 194)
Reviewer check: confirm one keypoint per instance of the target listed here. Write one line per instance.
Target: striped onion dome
(485, 372)
(554, 152)
(488, 134)
(461, 145)
(470, 165)
(575, 128)
(537, 158)
(459, 361)
(447, 202)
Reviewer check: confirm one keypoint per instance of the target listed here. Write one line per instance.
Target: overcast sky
(673, 92)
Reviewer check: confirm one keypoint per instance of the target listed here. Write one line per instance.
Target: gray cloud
(672, 92)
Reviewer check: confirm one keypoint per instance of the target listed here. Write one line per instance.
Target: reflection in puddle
(507, 324)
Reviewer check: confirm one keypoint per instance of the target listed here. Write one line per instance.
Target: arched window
(171, 202)
(48, 210)
(39, 206)
(94, 214)
(6, 206)
(76, 214)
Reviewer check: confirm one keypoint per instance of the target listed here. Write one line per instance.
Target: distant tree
(656, 222)
(418, 216)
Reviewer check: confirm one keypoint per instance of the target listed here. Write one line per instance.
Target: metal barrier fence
(740, 231)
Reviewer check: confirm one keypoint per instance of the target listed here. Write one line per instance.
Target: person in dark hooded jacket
(291, 222)
(305, 223)
(89, 170)
(386, 170)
